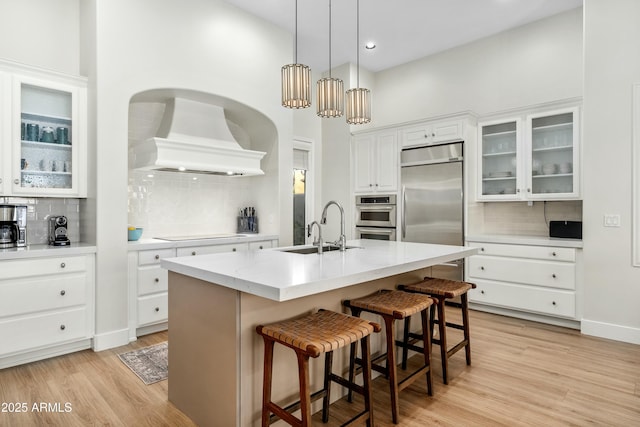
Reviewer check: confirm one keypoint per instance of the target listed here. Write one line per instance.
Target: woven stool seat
(441, 287)
(319, 332)
(392, 306)
(393, 303)
(310, 336)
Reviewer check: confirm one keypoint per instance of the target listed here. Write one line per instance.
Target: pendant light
(359, 99)
(330, 96)
(296, 78)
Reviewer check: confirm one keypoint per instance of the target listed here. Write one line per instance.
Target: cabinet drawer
(528, 298)
(153, 309)
(203, 250)
(39, 331)
(531, 272)
(42, 266)
(29, 295)
(522, 251)
(152, 279)
(260, 245)
(154, 257)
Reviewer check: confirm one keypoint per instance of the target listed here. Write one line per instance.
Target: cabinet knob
(63, 292)
(376, 185)
(370, 185)
(553, 275)
(433, 135)
(16, 181)
(553, 253)
(261, 247)
(481, 249)
(63, 265)
(157, 257)
(482, 292)
(157, 309)
(481, 268)
(233, 250)
(193, 252)
(517, 190)
(156, 280)
(528, 190)
(62, 327)
(553, 302)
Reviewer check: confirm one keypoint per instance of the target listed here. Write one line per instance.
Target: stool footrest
(294, 406)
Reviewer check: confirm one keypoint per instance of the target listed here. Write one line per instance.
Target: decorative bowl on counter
(134, 233)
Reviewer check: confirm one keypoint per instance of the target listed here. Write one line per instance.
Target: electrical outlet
(611, 220)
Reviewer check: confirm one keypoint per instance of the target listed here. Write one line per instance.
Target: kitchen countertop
(153, 243)
(525, 240)
(282, 276)
(40, 251)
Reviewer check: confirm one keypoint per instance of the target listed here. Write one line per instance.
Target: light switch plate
(611, 220)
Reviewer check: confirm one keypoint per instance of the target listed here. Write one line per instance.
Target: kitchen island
(217, 300)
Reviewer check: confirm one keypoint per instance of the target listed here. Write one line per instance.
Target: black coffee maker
(13, 226)
(58, 231)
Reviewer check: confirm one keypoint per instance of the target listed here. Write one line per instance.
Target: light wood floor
(523, 374)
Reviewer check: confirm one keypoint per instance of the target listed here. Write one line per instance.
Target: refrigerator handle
(404, 213)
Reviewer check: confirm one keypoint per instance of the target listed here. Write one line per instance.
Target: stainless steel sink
(314, 249)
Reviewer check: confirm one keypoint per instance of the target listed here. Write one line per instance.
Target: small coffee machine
(58, 231)
(13, 226)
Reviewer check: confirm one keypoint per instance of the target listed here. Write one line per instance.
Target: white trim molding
(610, 331)
(111, 339)
(636, 175)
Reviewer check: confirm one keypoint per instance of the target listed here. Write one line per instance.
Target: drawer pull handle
(482, 268)
(261, 247)
(233, 250)
(63, 265)
(482, 292)
(157, 309)
(156, 280)
(157, 256)
(63, 292)
(62, 327)
(193, 253)
(481, 249)
(553, 302)
(553, 253)
(553, 275)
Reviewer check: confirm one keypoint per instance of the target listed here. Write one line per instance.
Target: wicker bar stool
(310, 336)
(392, 306)
(443, 290)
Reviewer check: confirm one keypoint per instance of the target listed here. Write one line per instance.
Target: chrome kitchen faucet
(342, 241)
(319, 243)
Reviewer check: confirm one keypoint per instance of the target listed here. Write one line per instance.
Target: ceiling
(403, 30)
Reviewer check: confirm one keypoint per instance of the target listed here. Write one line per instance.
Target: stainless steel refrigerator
(432, 200)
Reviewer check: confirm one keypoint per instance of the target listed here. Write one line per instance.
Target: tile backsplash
(518, 218)
(38, 211)
(177, 204)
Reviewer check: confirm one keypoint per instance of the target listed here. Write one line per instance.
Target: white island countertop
(283, 276)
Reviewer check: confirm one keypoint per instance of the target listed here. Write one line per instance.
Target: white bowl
(549, 169)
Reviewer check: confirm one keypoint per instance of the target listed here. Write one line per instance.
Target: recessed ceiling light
(370, 45)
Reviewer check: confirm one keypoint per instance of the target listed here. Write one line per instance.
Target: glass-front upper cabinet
(46, 137)
(539, 162)
(553, 154)
(499, 159)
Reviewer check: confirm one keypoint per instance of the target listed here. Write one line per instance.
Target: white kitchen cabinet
(46, 307)
(533, 156)
(375, 162)
(149, 282)
(432, 132)
(42, 133)
(540, 280)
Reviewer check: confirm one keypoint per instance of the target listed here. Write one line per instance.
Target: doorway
(302, 190)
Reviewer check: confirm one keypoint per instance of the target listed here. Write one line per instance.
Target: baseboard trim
(557, 321)
(610, 331)
(110, 339)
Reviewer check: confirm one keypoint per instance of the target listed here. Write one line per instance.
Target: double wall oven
(376, 217)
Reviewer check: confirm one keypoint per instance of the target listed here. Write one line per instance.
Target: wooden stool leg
(426, 338)
(305, 394)
(391, 367)
(266, 381)
(465, 326)
(405, 340)
(352, 369)
(326, 400)
(442, 326)
(366, 378)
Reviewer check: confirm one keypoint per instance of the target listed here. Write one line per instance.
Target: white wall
(201, 45)
(612, 65)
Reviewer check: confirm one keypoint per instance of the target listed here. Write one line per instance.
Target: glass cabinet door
(553, 154)
(498, 168)
(46, 156)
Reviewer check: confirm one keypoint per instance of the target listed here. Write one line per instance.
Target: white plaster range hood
(194, 137)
